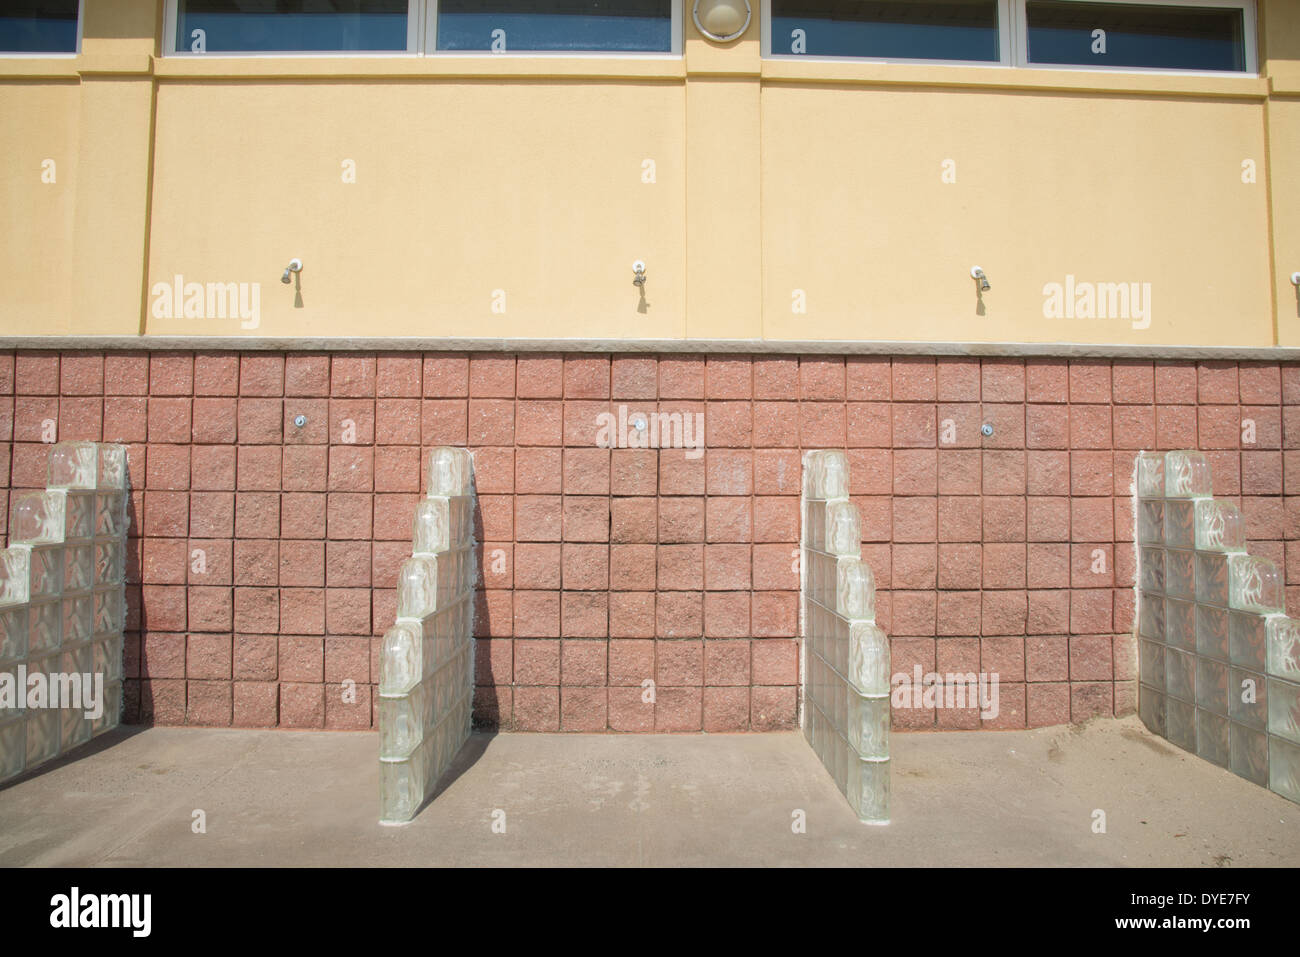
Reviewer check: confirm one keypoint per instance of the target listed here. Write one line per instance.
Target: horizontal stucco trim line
(1069, 350)
(804, 72)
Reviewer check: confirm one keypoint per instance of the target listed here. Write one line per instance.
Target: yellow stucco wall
(502, 196)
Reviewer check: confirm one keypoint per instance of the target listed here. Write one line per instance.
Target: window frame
(1013, 42)
(1006, 46)
(81, 21)
(171, 19)
(1250, 37)
(674, 50)
(421, 41)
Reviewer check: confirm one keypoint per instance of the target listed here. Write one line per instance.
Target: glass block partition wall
(845, 656)
(62, 607)
(1218, 660)
(426, 668)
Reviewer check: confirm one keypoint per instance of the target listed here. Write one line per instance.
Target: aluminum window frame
(674, 51)
(421, 41)
(81, 22)
(1250, 38)
(1006, 46)
(171, 19)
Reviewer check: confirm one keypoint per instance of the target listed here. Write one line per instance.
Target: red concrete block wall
(264, 554)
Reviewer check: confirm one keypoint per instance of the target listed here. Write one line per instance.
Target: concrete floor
(964, 798)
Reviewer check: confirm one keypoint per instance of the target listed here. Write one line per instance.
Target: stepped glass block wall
(1218, 660)
(62, 607)
(426, 669)
(845, 656)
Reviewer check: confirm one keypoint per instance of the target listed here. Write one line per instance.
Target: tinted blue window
(38, 26)
(887, 29)
(1136, 35)
(290, 26)
(634, 26)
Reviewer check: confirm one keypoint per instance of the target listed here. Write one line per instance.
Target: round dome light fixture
(722, 20)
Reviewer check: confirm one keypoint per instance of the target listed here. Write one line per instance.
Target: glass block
(1180, 573)
(13, 633)
(79, 516)
(450, 471)
(74, 465)
(1249, 753)
(1180, 524)
(42, 735)
(814, 524)
(1151, 475)
(868, 788)
(1180, 674)
(1212, 737)
(108, 659)
(112, 711)
(46, 563)
(869, 659)
(113, 467)
(1284, 768)
(402, 723)
(1212, 579)
(1151, 664)
(843, 529)
(1248, 641)
(1283, 647)
(1212, 685)
(1180, 624)
(811, 464)
(13, 748)
(855, 590)
(1187, 475)
(15, 581)
(37, 517)
(1151, 569)
(432, 531)
(399, 664)
(74, 728)
(868, 726)
(1254, 584)
(1151, 522)
(1151, 709)
(78, 568)
(1151, 616)
(108, 610)
(1180, 718)
(44, 626)
(78, 618)
(1212, 632)
(417, 587)
(401, 789)
(834, 477)
(1284, 709)
(111, 514)
(77, 660)
(1219, 526)
(110, 563)
(11, 707)
(1247, 698)
(827, 473)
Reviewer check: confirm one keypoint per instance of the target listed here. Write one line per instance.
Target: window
(291, 26)
(197, 27)
(1160, 36)
(1198, 36)
(619, 26)
(38, 26)
(953, 30)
